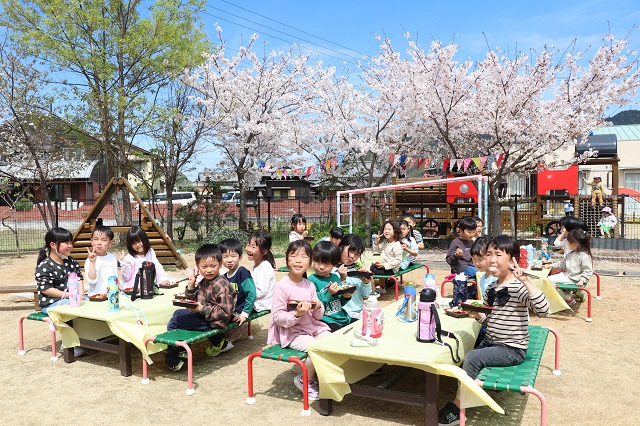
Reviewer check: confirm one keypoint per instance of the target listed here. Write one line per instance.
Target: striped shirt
(507, 324)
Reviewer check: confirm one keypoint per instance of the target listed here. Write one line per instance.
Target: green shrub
(23, 205)
(222, 234)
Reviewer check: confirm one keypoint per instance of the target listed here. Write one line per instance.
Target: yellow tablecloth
(337, 363)
(158, 311)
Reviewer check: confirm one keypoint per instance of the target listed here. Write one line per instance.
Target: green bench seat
(37, 316)
(184, 338)
(521, 378)
(573, 287)
(400, 273)
(278, 353)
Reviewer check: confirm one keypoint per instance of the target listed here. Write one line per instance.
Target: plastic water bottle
(430, 282)
(530, 253)
(113, 295)
(73, 286)
(427, 316)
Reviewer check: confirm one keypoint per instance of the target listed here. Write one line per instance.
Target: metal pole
(486, 207)
(515, 211)
(350, 214)
(338, 210)
(268, 214)
(56, 203)
(624, 198)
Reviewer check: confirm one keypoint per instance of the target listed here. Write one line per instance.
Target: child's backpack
(145, 281)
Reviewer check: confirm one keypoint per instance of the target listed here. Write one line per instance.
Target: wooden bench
(38, 316)
(400, 273)
(30, 288)
(184, 338)
(278, 353)
(522, 377)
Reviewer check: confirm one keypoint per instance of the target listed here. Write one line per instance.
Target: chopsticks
(525, 273)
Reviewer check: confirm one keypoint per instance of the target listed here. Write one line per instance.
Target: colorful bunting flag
(467, 161)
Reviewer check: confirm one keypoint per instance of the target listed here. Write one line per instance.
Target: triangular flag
(476, 161)
(403, 160)
(452, 163)
(392, 158)
(308, 172)
(460, 162)
(334, 162)
(499, 159)
(340, 157)
(427, 163)
(467, 161)
(279, 173)
(490, 160)
(421, 162)
(328, 165)
(483, 162)
(445, 164)
(285, 173)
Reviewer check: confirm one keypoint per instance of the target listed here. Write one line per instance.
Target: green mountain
(625, 117)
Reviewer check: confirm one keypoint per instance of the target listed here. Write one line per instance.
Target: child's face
(63, 248)
(478, 228)
(405, 230)
(300, 227)
(138, 247)
(499, 262)
(231, 260)
(480, 262)
(573, 246)
(298, 262)
(253, 251)
(410, 221)
(100, 243)
(209, 268)
(467, 234)
(349, 256)
(322, 269)
(387, 232)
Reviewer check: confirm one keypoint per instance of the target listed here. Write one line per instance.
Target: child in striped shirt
(507, 338)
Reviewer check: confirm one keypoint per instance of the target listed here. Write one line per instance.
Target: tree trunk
(495, 222)
(367, 216)
(242, 209)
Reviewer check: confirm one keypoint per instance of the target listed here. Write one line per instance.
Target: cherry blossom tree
(256, 107)
(525, 108)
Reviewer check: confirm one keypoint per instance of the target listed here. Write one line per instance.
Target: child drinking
(53, 267)
(298, 228)
(139, 250)
(391, 250)
(216, 301)
(409, 245)
(607, 222)
(240, 279)
(100, 264)
(507, 338)
(298, 327)
(325, 256)
(258, 251)
(577, 264)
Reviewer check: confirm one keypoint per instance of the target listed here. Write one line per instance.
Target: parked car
(180, 198)
(231, 197)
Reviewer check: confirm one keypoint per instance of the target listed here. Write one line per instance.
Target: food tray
(98, 298)
(179, 296)
(185, 304)
(170, 285)
(482, 309)
(293, 305)
(454, 312)
(360, 274)
(347, 289)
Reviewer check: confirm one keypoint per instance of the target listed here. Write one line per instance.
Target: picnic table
(92, 326)
(340, 366)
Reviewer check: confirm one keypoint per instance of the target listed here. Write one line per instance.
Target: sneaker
(449, 415)
(177, 367)
(224, 346)
(77, 351)
(382, 291)
(313, 389)
(571, 302)
(375, 294)
(581, 296)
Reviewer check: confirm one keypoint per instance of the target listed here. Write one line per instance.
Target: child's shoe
(581, 296)
(449, 415)
(224, 346)
(571, 301)
(176, 367)
(382, 290)
(313, 389)
(77, 351)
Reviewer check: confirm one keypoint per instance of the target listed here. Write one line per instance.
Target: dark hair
(208, 251)
(297, 245)
(410, 234)
(336, 232)
(477, 219)
(468, 224)
(263, 241)
(102, 229)
(296, 219)
(479, 247)
(575, 223)
(506, 244)
(395, 225)
(134, 235)
(582, 239)
(231, 244)
(408, 215)
(54, 235)
(326, 252)
(353, 241)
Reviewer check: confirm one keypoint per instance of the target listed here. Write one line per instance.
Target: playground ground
(597, 385)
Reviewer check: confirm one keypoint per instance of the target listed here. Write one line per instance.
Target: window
(632, 180)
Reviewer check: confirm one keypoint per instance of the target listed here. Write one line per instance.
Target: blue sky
(339, 32)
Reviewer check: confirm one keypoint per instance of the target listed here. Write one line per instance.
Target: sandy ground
(599, 373)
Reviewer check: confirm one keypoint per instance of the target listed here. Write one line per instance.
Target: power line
(287, 34)
(294, 28)
(281, 39)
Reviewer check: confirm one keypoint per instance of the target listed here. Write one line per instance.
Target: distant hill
(625, 117)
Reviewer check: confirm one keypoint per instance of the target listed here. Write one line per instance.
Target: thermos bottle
(427, 316)
(73, 286)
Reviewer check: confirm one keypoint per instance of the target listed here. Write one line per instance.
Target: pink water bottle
(427, 316)
(73, 286)
(372, 318)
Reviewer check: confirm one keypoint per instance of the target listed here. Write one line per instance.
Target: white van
(180, 198)
(231, 197)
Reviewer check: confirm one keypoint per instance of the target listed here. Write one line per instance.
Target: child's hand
(458, 252)
(303, 308)
(342, 271)
(122, 254)
(191, 282)
(476, 315)
(546, 265)
(240, 319)
(377, 240)
(198, 308)
(405, 246)
(92, 255)
(333, 288)
(305, 233)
